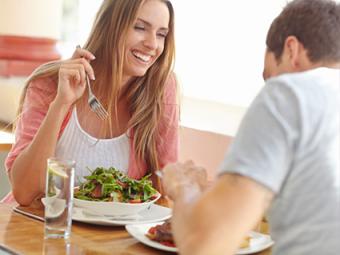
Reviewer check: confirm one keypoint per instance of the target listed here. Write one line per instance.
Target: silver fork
(94, 103)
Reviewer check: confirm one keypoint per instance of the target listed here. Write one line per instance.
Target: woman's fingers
(84, 56)
(81, 73)
(67, 74)
(82, 53)
(71, 85)
(87, 67)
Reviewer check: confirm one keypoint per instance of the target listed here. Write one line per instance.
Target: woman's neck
(125, 80)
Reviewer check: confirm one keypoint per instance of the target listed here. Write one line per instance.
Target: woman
(128, 57)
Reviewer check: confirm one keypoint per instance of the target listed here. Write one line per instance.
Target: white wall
(36, 18)
(220, 47)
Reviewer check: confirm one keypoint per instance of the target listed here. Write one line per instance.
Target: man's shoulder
(309, 86)
(319, 78)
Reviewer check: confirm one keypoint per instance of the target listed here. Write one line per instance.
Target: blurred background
(219, 60)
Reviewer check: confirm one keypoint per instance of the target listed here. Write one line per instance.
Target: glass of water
(58, 199)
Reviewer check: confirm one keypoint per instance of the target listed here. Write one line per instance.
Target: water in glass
(59, 198)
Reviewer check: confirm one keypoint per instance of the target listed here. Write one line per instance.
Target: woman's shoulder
(46, 84)
(171, 89)
(40, 92)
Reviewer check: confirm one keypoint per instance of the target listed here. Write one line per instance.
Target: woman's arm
(169, 125)
(28, 170)
(167, 144)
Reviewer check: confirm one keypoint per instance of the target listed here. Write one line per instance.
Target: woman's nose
(151, 41)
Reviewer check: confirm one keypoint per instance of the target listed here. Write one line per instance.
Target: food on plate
(245, 242)
(162, 234)
(109, 184)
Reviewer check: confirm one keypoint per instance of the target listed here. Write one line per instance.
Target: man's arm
(218, 220)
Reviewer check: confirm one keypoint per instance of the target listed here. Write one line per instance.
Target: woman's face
(145, 38)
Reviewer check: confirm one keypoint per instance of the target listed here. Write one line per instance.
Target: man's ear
(292, 48)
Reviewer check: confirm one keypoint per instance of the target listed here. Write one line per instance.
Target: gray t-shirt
(289, 142)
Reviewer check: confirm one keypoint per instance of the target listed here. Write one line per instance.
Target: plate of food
(109, 197)
(158, 235)
(154, 213)
(109, 192)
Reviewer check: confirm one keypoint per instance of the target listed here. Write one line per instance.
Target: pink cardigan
(41, 93)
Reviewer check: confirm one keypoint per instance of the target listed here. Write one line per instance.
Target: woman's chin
(140, 73)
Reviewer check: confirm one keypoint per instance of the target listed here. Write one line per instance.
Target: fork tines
(94, 103)
(98, 109)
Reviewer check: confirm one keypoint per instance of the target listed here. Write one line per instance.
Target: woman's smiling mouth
(141, 56)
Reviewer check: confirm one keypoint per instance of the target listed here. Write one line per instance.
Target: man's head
(305, 35)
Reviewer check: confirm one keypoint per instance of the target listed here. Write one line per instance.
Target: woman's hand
(72, 76)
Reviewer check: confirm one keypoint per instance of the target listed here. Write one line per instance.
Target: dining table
(21, 234)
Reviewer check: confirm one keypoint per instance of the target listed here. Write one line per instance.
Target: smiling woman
(129, 58)
(145, 41)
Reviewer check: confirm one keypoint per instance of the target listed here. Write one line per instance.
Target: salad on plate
(111, 185)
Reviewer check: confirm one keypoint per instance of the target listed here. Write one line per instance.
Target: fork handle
(88, 84)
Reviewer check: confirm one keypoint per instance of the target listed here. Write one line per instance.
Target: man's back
(285, 155)
(306, 210)
(289, 142)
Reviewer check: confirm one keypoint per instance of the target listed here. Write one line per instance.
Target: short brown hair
(315, 23)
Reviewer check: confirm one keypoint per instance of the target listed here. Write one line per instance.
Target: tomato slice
(122, 184)
(152, 230)
(135, 201)
(167, 243)
(154, 196)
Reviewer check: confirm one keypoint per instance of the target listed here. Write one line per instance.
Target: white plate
(258, 241)
(113, 209)
(154, 214)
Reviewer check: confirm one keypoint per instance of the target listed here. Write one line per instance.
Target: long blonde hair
(144, 94)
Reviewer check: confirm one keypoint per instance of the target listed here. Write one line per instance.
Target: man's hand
(217, 220)
(184, 180)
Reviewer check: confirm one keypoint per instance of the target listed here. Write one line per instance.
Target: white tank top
(90, 152)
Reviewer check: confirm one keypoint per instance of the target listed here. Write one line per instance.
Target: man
(285, 157)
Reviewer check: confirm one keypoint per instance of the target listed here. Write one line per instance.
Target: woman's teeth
(144, 58)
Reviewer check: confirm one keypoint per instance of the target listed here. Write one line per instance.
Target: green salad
(109, 184)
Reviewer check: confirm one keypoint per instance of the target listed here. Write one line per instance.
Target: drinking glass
(58, 199)
(57, 247)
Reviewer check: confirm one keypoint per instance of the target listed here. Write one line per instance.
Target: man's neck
(333, 65)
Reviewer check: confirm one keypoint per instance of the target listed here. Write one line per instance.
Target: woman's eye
(163, 35)
(139, 27)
